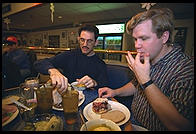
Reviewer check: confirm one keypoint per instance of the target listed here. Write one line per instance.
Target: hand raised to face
(141, 70)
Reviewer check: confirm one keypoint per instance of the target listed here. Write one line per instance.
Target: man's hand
(106, 92)
(141, 70)
(87, 81)
(58, 80)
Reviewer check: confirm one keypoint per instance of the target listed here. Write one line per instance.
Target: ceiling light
(60, 17)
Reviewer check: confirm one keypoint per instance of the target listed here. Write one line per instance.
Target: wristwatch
(145, 85)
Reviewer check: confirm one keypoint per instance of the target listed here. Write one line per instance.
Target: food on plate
(114, 115)
(101, 105)
(8, 100)
(80, 85)
(54, 124)
(7, 112)
(102, 127)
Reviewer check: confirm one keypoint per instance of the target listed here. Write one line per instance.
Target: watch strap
(145, 85)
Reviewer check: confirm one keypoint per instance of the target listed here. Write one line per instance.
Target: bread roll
(114, 115)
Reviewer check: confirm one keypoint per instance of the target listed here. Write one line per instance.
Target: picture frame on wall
(180, 37)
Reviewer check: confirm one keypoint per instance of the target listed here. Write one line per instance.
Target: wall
(68, 37)
(189, 47)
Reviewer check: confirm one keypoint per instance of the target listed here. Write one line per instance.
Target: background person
(17, 56)
(163, 87)
(81, 64)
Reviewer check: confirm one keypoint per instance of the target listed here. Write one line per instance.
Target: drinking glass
(27, 88)
(70, 105)
(44, 98)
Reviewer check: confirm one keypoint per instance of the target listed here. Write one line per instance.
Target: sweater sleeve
(57, 62)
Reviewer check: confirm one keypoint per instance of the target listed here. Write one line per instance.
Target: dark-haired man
(81, 65)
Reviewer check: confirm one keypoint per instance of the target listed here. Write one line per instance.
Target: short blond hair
(162, 20)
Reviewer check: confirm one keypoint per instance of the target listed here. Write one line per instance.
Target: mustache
(85, 47)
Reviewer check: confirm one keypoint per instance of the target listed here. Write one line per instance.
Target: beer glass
(70, 105)
(44, 98)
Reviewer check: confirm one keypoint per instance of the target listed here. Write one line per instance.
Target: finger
(147, 58)
(130, 67)
(137, 58)
(85, 80)
(131, 59)
(54, 82)
(82, 80)
(127, 59)
(89, 84)
(100, 91)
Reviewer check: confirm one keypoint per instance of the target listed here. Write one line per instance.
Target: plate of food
(9, 113)
(44, 122)
(59, 106)
(8, 99)
(77, 86)
(102, 108)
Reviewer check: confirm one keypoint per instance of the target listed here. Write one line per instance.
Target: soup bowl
(100, 125)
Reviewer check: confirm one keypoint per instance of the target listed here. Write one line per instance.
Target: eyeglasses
(89, 41)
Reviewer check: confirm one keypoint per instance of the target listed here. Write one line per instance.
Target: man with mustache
(81, 64)
(163, 86)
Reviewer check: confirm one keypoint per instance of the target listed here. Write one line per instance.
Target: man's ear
(165, 36)
(96, 42)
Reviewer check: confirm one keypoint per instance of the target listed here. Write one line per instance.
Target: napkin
(57, 99)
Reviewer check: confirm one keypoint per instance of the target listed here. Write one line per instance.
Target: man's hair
(162, 20)
(90, 28)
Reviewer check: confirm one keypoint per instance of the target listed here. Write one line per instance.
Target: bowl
(100, 125)
(79, 87)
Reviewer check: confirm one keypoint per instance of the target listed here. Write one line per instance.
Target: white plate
(11, 118)
(138, 128)
(80, 102)
(90, 115)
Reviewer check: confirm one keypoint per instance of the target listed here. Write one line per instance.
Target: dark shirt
(174, 76)
(20, 58)
(75, 65)
(10, 74)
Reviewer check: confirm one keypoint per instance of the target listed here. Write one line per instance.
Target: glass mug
(70, 105)
(32, 82)
(27, 88)
(44, 98)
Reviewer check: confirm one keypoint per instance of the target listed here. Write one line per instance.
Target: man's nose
(85, 43)
(138, 44)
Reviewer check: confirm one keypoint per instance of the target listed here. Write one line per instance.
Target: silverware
(83, 121)
(20, 104)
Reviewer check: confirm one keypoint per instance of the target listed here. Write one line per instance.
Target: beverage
(27, 88)
(32, 82)
(70, 105)
(44, 98)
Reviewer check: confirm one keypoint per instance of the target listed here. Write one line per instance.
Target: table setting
(54, 112)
